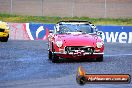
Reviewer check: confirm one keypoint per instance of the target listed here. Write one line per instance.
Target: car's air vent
(79, 48)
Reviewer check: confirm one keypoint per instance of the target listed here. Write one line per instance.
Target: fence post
(73, 7)
(105, 12)
(42, 7)
(11, 6)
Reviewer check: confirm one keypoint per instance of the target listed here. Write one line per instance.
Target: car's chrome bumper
(78, 56)
(79, 53)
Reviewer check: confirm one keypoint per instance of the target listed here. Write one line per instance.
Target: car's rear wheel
(4, 39)
(99, 59)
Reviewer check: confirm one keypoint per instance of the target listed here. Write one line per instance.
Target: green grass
(47, 19)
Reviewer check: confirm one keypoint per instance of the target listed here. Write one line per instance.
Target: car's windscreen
(67, 28)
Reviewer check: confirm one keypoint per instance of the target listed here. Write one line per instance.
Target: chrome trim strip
(83, 53)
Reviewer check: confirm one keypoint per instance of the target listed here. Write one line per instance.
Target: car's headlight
(59, 43)
(99, 44)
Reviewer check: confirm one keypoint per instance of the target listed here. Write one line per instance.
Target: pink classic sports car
(75, 40)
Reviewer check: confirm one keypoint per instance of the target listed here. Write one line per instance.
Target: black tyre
(4, 39)
(50, 55)
(99, 59)
(55, 58)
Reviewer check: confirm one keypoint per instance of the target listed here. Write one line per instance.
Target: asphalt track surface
(25, 64)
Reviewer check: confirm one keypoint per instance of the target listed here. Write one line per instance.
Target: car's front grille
(2, 30)
(85, 49)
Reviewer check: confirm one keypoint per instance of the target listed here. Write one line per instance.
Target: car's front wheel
(50, 55)
(55, 58)
(99, 59)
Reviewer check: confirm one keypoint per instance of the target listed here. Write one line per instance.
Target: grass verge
(46, 19)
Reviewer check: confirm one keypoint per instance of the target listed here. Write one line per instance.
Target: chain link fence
(69, 8)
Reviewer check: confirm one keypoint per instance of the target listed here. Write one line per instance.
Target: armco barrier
(39, 31)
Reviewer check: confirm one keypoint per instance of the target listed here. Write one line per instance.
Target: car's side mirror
(99, 33)
(51, 31)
